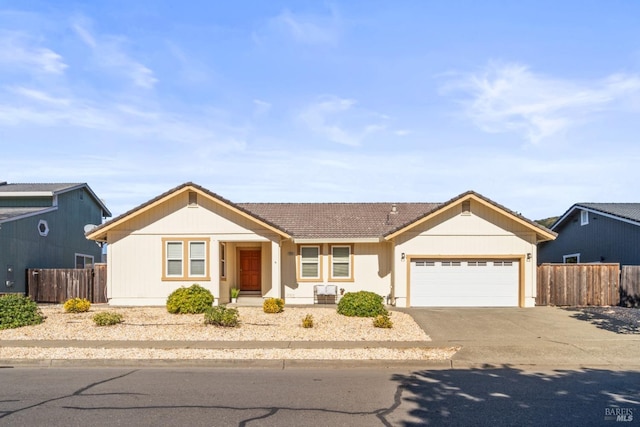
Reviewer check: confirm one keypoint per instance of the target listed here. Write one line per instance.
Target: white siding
(371, 272)
(135, 250)
(483, 233)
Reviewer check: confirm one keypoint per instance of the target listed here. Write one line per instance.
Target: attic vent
(193, 198)
(466, 207)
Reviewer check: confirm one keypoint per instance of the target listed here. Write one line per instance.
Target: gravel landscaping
(622, 320)
(156, 324)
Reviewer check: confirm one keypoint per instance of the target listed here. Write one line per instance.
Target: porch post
(214, 266)
(276, 286)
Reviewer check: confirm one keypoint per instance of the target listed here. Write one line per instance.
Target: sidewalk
(223, 345)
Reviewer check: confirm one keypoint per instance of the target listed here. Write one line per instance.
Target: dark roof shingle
(30, 187)
(623, 210)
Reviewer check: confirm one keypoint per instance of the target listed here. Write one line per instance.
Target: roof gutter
(338, 240)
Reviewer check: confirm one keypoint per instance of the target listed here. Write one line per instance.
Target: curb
(279, 364)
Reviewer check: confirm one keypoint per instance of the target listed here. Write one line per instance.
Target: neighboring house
(595, 232)
(469, 251)
(43, 226)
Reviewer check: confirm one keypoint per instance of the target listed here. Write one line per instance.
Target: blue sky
(534, 104)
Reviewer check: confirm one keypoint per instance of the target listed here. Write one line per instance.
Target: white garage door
(464, 283)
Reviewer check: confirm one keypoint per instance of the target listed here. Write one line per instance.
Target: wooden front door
(250, 268)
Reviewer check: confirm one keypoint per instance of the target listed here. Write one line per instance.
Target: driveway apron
(543, 336)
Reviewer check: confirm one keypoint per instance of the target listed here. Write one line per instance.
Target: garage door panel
(464, 283)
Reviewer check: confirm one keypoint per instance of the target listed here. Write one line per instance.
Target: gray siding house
(595, 232)
(43, 226)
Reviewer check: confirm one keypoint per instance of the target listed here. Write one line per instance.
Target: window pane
(309, 270)
(197, 267)
(340, 270)
(174, 250)
(174, 268)
(197, 250)
(341, 254)
(309, 253)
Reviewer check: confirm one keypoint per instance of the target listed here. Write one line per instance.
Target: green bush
(77, 305)
(18, 310)
(361, 304)
(107, 318)
(191, 300)
(382, 321)
(221, 316)
(307, 322)
(273, 305)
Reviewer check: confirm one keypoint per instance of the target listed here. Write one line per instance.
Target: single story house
(42, 225)
(469, 251)
(594, 233)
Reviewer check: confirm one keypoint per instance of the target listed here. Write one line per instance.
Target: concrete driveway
(541, 336)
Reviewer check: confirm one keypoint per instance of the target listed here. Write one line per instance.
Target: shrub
(307, 322)
(221, 316)
(382, 321)
(77, 305)
(18, 310)
(273, 305)
(194, 299)
(361, 304)
(107, 318)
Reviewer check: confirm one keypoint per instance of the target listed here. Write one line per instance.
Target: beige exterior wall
(482, 233)
(371, 271)
(136, 250)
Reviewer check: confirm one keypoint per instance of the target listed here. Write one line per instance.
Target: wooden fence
(60, 284)
(578, 284)
(630, 286)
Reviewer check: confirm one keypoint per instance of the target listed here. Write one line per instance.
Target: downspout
(391, 298)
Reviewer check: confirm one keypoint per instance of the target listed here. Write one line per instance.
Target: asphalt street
(313, 397)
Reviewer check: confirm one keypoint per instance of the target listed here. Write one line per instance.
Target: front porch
(252, 267)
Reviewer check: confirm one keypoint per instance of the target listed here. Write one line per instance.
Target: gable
(623, 212)
(177, 216)
(171, 212)
(472, 214)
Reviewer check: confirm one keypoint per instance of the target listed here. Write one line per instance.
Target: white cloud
(17, 50)
(38, 95)
(109, 52)
(26, 107)
(338, 120)
(261, 108)
(309, 29)
(512, 98)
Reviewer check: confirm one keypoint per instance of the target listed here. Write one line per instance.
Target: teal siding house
(43, 226)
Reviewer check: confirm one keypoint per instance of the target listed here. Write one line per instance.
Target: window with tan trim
(309, 263)
(341, 263)
(185, 259)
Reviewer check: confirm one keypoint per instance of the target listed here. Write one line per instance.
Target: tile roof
(338, 220)
(323, 220)
(622, 210)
